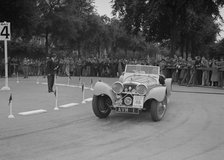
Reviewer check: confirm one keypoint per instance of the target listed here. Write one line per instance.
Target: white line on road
(58, 84)
(32, 112)
(88, 99)
(68, 105)
(66, 85)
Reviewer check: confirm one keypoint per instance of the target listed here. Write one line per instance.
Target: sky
(104, 7)
(222, 26)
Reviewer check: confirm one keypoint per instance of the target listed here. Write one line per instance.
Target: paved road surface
(192, 129)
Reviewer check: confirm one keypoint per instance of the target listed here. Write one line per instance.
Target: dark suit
(50, 71)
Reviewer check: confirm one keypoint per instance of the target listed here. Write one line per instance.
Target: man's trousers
(50, 81)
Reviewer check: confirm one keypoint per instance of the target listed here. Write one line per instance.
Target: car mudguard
(103, 88)
(168, 83)
(157, 93)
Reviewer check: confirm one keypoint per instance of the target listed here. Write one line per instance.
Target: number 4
(5, 32)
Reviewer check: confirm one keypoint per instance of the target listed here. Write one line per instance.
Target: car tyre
(101, 106)
(158, 109)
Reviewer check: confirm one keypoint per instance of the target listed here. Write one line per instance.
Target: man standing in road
(51, 69)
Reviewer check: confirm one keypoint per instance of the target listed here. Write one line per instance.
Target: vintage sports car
(140, 88)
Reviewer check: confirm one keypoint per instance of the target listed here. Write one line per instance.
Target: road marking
(198, 92)
(58, 84)
(68, 105)
(32, 112)
(88, 99)
(75, 86)
(66, 85)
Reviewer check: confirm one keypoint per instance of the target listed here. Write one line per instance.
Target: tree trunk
(79, 49)
(46, 42)
(187, 47)
(126, 52)
(182, 45)
(98, 48)
(173, 40)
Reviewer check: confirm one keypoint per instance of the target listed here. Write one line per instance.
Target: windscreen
(142, 69)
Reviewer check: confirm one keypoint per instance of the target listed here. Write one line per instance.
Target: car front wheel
(101, 106)
(158, 109)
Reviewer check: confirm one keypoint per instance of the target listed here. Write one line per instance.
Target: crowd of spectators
(68, 66)
(190, 71)
(194, 71)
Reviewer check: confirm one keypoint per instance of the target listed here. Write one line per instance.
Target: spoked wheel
(101, 106)
(158, 109)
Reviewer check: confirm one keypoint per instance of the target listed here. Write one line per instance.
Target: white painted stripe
(58, 84)
(32, 112)
(68, 105)
(66, 85)
(73, 86)
(88, 99)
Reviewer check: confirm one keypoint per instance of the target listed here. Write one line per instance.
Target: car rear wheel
(158, 109)
(101, 106)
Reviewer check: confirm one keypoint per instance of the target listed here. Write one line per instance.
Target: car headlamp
(117, 87)
(141, 89)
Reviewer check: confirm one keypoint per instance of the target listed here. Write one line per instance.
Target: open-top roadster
(140, 87)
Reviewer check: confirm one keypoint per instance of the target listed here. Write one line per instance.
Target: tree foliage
(181, 21)
(22, 16)
(73, 25)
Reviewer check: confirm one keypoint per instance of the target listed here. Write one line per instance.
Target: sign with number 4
(5, 33)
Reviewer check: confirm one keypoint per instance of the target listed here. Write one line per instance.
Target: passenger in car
(162, 79)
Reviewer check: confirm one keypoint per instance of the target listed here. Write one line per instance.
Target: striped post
(10, 107)
(17, 77)
(55, 79)
(91, 84)
(79, 81)
(37, 82)
(68, 81)
(83, 93)
(56, 98)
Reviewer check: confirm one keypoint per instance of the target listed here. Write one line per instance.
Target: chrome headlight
(141, 89)
(117, 87)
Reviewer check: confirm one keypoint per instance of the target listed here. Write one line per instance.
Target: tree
(21, 14)
(160, 20)
(64, 21)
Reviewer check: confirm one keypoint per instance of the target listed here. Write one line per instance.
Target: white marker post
(17, 77)
(68, 80)
(10, 107)
(91, 85)
(79, 81)
(83, 93)
(56, 99)
(5, 36)
(55, 79)
(37, 82)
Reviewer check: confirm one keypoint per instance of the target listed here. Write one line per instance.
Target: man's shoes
(50, 91)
